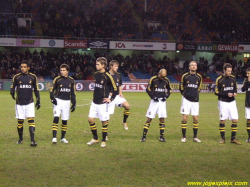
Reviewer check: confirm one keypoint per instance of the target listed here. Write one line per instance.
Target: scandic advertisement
(142, 46)
(75, 43)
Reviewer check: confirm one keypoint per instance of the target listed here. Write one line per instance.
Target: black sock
(248, 130)
(108, 125)
(195, 129)
(125, 115)
(20, 128)
(233, 130)
(222, 131)
(162, 129)
(183, 128)
(64, 128)
(55, 126)
(104, 131)
(32, 128)
(93, 130)
(145, 129)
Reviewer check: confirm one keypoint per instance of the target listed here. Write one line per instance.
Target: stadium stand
(217, 21)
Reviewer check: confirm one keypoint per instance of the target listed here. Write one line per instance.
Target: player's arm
(36, 89)
(113, 87)
(52, 90)
(169, 89)
(235, 88)
(149, 88)
(181, 86)
(37, 94)
(120, 91)
(245, 85)
(110, 94)
(120, 87)
(73, 96)
(12, 88)
(199, 88)
(218, 89)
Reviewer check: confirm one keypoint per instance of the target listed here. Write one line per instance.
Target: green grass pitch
(125, 161)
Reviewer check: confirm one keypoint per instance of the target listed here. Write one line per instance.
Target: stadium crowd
(115, 19)
(46, 65)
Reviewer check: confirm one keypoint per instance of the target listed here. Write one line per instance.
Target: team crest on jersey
(221, 115)
(149, 113)
(69, 85)
(232, 84)
(102, 82)
(30, 81)
(118, 80)
(223, 85)
(183, 110)
(197, 82)
(20, 82)
(155, 85)
(61, 85)
(187, 81)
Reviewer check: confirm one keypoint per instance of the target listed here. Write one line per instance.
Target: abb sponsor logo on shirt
(130, 87)
(75, 43)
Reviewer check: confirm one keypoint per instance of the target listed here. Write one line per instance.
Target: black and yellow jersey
(225, 85)
(118, 81)
(63, 88)
(104, 84)
(190, 86)
(24, 85)
(246, 88)
(158, 88)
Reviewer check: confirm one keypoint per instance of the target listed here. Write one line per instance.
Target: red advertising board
(137, 87)
(227, 47)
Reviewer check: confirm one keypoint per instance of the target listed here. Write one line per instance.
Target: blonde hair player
(190, 87)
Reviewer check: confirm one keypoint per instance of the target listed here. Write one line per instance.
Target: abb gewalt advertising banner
(75, 43)
(51, 43)
(142, 46)
(27, 42)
